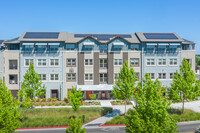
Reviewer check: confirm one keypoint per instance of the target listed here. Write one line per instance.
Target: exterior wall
(50, 85)
(1, 63)
(189, 54)
(11, 55)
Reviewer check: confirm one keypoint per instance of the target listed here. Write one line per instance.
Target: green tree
(9, 110)
(75, 98)
(75, 126)
(185, 86)
(150, 114)
(125, 84)
(32, 83)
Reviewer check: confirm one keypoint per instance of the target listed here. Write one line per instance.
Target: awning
(27, 43)
(151, 43)
(41, 44)
(163, 43)
(53, 43)
(101, 87)
(88, 43)
(174, 43)
(118, 43)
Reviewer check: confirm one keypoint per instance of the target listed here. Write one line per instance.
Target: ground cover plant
(91, 103)
(59, 116)
(120, 103)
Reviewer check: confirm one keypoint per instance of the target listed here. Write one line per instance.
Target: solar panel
(160, 36)
(41, 35)
(102, 36)
(1, 41)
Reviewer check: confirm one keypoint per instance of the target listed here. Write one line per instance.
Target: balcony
(13, 79)
(12, 64)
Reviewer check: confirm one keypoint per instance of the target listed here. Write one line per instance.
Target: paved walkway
(194, 105)
(105, 103)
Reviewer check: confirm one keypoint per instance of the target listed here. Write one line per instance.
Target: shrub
(93, 96)
(49, 99)
(42, 104)
(49, 104)
(75, 126)
(53, 103)
(63, 104)
(43, 100)
(54, 99)
(66, 100)
(38, 100)
(57, 104)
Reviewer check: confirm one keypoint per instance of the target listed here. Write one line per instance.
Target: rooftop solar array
(50, 35)
(103, 36)
(160, 36)
(1, 41)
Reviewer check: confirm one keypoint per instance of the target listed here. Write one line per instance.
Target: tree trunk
(183, 105)
(125, 106)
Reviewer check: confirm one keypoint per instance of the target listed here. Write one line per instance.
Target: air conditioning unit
(71, 70)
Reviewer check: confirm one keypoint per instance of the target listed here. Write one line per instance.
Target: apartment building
(92, 62)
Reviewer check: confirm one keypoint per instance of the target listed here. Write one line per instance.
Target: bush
(42, 104)
(66, 100)
(54, 99)
(75, 126)
(49, 99)
(93, 96)
(57, 104)
(49, 104)
(63, 104)
(38, 100)
(43, 100)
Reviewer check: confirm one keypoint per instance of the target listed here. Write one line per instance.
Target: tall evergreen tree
(125, 84)
(150, 114)
(32, 83)
(185, 86)
(9, 110)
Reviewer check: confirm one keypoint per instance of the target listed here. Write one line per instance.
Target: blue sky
(101, 16)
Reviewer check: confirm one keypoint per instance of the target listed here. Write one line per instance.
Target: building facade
(91, 62)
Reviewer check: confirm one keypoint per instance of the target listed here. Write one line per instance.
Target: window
(135, 62)
(103, 48)
(150, 48)
(13, 64)
(137, 76)
(173, 61)
(117, 47)
(88, 47)
(13, 79)
(134, 47)
(172, 48)
(116, 76)
(161, 48)
(88, 62)
(118, 61)
(53, 48)
(28, 48)
(28, 62)
(150, 62)
(161, 75)
(152, 75)
(42, 62)
(189, 61)
(70, 46)
(103, 78)
(161, 62)
(71, 62)
(103, 63)
(88, 76)
(171, 75)
(71, 77)
(41, 48)
(42, 76)
(54, 77)
(54, 62)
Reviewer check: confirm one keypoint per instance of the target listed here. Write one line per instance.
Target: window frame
(89, 62)
(71, 65)
(105, 78)
(162, 76)
(70, 48)
(104, 65)
(89, 75)
(54, 62)
(28, 62)
(71, 77)
(54, 76)
(162, 62)
(150, 61)
(134, 62)
(41, 62)
(43, 77)
(173, 61)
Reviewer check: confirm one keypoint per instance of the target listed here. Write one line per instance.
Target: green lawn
(59, 116)
(188, 115)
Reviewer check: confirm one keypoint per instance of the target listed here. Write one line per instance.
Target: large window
(88, 47)
(172, 48)
(28, 48)
(88, 76)
(150, 48)
(161, 48)
(53, 48)
(135, 62)
(28, 62)
(117, 47)
(54, 62)
(41, 48)
(171, 75)
(118, 61)
(103, 48)
(13, 79)
(43, 77)
(134, 47)
(13, 64)
(152, 75)
(54, 77)
(71, 77)
(71, 62)
(88, 62)
(150, 62)
(161, 75)
(103, 77)
(103, 63)
(173, 61)
(70, 46)
(41, 62)
(161, 62)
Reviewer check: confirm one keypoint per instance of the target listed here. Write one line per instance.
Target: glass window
(161, 61)
(103, 77)
(88, 76)
(54, 48)
(152, 75)
(117, 47)
(88, 47)
(54, 62)
(88, 61)
(150, 62)
(28, 48)
(71, 77)
(103, 63)
(135, 47)
(70, 46)
(103, 48)
(161, 75)
(135, 62)
(171, 75)
(43, 77)
(54, 77)
(41, 62)
(71, 62)
(173, 61)
(28, 62)
(41, 48)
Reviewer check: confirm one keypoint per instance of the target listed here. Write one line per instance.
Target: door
(54, 93)
(103, 94)
(88, 94)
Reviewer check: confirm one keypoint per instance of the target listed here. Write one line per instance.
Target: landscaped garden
(176, 114)
(120, 103)
(52, 117)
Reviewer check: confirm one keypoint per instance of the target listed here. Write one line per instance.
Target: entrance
(103, 94)
(88, 94)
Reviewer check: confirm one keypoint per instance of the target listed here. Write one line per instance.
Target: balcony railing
(13, 67)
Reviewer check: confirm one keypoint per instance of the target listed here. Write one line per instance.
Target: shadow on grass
(106, 110)
(174, 111)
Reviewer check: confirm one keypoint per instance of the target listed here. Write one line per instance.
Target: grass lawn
(59, 116)
(188, 115)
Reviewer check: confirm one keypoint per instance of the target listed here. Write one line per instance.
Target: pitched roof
(187, 41)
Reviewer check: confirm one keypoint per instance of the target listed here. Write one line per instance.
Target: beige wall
(189, 54)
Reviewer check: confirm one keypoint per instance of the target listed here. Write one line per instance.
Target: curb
(111, 125)
(41, 127)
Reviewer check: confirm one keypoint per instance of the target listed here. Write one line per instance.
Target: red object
(103, 94)
(88, 94)
(42, 127)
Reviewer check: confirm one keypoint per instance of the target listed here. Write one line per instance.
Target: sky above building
(101, 16)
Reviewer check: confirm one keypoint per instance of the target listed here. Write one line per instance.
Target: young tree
(75, 126)
(125, 84)
(32, 83)
(9, 110)
(185, 86)
(150, 114)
